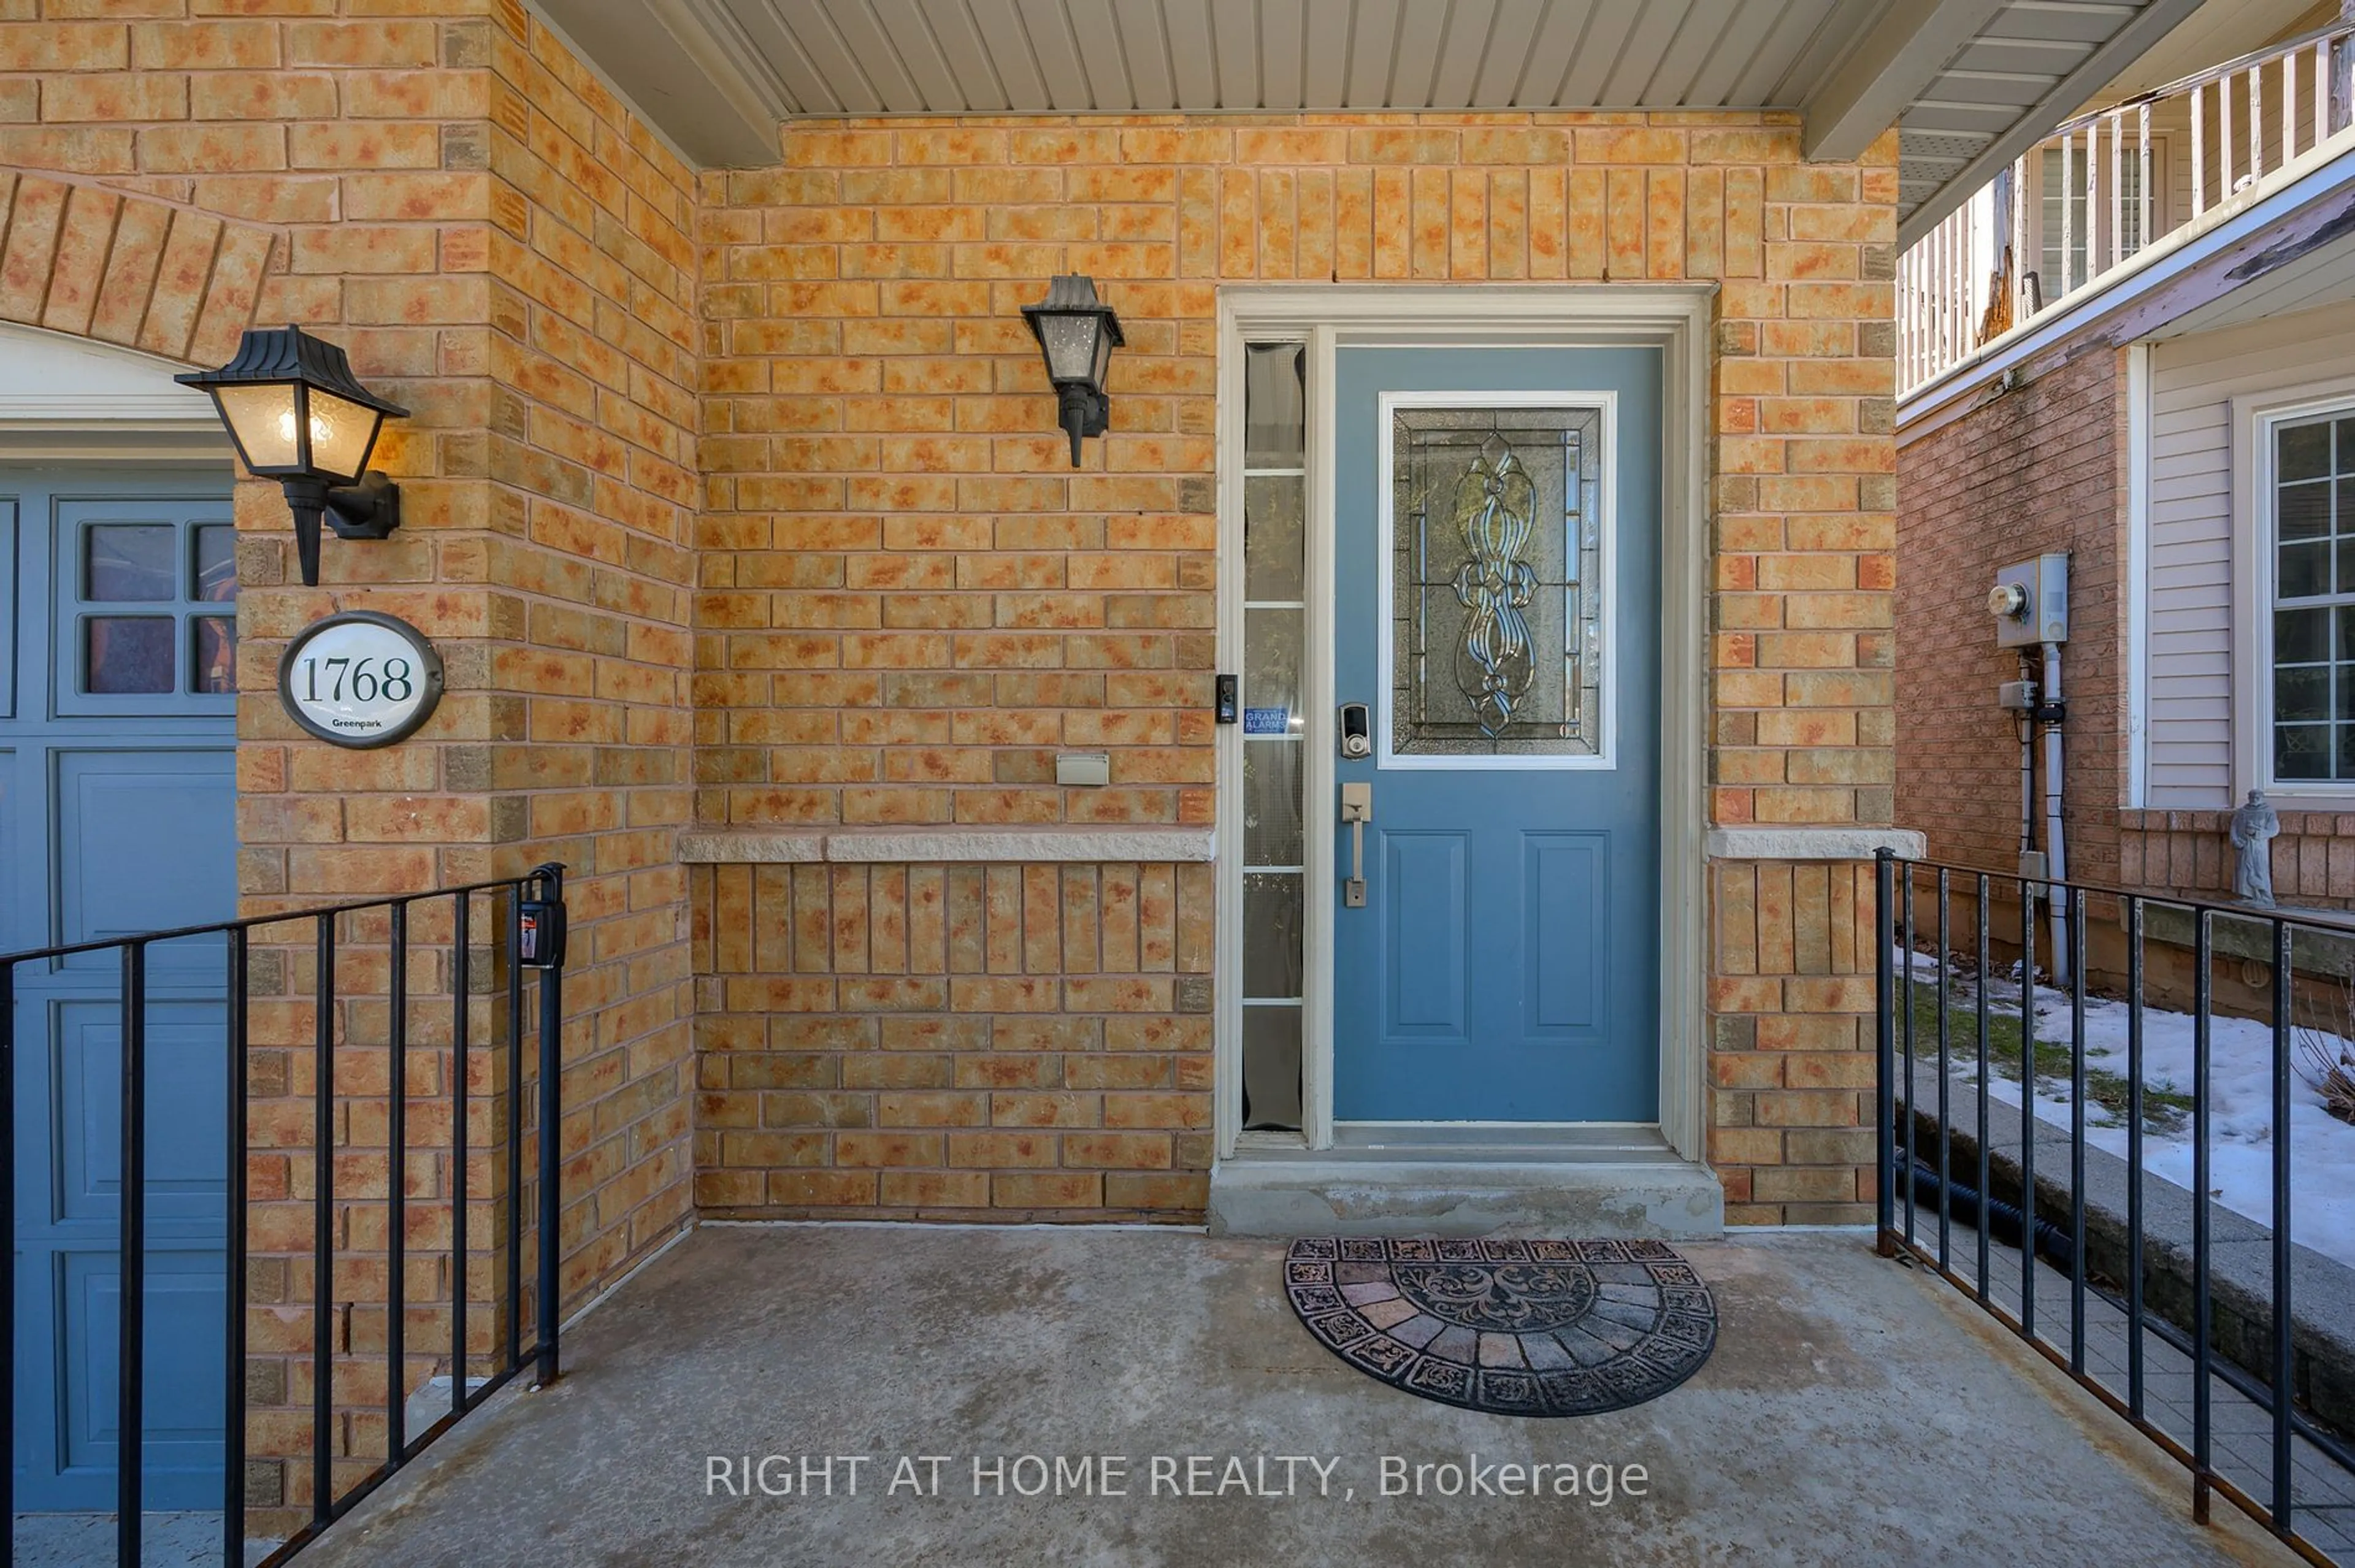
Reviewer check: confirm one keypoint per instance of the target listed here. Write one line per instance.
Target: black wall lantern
(300, 417)
(1077, 332)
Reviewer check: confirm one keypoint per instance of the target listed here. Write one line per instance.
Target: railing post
(323, 1221)
(2284, 1368)
(2134, 1157)
(2028, 1205)
(396, 1307)
(2077, 1132)
(512, 1324)
(1908, 1148)
(2068, 215)
(1946, 1079)
(131, 1323)
(2343, 77)
(233, 1366)
(1979, 1007)
(552, 1109)
(2202, 1185)
(461, 935)
(8, 1260)
(1885, 1044)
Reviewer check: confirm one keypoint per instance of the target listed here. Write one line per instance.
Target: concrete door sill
(1575, 1188)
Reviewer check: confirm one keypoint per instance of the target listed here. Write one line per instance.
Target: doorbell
(1357, 730)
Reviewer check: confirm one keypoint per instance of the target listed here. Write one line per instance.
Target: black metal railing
(524, 931)
(1991, 1173)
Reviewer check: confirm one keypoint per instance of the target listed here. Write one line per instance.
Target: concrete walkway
(1854, 1411)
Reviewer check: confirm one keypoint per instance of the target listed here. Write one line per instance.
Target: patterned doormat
(1517, 1327)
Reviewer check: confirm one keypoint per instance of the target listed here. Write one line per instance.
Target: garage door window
(152, 615)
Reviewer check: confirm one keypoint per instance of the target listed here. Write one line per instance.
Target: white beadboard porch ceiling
(1971, 82)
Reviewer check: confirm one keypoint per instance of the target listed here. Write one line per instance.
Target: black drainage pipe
(2004, 1220)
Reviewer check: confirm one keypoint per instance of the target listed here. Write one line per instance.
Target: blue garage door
(117, 778)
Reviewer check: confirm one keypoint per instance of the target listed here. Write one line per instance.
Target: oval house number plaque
(360, 679)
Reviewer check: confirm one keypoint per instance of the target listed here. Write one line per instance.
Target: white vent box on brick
(1083, 770)
(2029, 601)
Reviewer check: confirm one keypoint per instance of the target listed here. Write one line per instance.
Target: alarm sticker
(1267, 721)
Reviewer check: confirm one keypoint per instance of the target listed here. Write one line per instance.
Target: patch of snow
(2242, 1072)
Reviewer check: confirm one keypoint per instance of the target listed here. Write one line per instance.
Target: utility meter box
(2029, 602)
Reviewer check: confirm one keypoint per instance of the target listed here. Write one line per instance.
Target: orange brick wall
(2041, 468)
(737, 499)
(909, 599)
(504, 249)
(589, 453)
(993, 1043)
(1791, 1057)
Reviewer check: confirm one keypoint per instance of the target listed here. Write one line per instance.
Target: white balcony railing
(2105, 187)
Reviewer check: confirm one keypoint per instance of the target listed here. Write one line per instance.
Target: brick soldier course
(733, 500)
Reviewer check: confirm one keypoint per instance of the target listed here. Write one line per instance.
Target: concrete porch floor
(1855, 1411)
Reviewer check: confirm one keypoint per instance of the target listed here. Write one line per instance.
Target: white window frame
(2255, 420)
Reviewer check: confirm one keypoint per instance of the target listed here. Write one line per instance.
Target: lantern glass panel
(1103, 356)
(1070, 345)
(261, 415)
(342, 432)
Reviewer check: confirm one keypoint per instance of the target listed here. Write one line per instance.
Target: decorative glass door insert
(1499, 548)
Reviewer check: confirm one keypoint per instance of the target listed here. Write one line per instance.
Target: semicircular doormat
(1517, 1327)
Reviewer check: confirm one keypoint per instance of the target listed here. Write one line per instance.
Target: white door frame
(1672, 317)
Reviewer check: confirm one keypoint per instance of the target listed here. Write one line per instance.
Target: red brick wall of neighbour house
(909, 600)
(504, 249)
(2040, 468)
(2313, 860)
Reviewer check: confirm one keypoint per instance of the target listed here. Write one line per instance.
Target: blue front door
(1497, 583)
(117, 775)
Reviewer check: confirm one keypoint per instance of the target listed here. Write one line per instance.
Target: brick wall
(909, 599)
(997, 1042)
(893, 523)
(588, 450)
(1791, 1058)
(2190, 851)
(890, 600)
(2041, 468)
(504, 249)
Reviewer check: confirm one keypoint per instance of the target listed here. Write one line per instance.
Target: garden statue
(2253, 827)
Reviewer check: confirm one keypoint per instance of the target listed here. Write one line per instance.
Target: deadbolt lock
(1356, 732)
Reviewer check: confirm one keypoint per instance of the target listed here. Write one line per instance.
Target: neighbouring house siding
(2189, 645)
(2194, 380)
(2198, 505)
(2039, 468)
